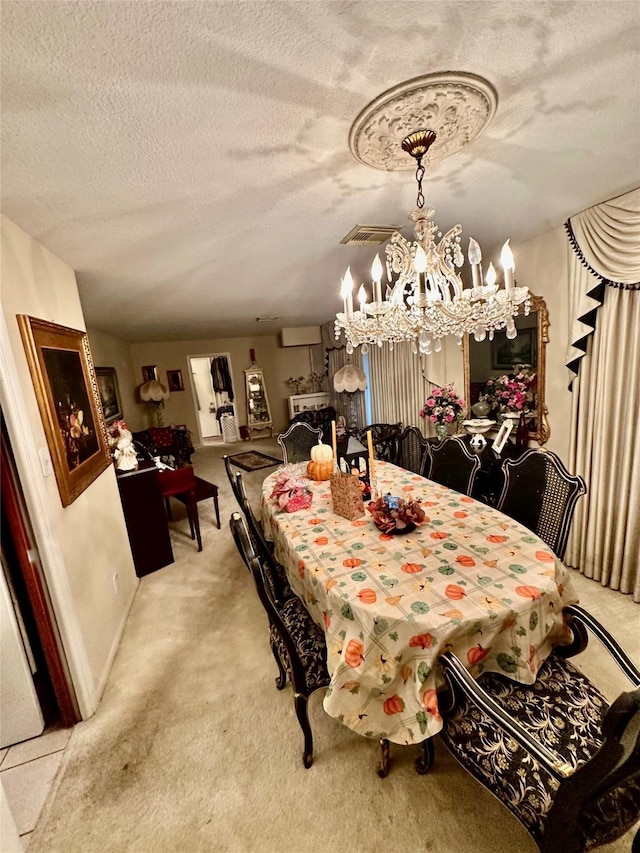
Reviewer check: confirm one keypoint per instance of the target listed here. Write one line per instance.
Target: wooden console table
(145, 518)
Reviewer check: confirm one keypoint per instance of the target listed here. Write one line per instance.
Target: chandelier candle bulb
(491, 275)
(362, 297)
(475, 259)
(346, 291)
(376, 275)
(372, 466)
(506, 259)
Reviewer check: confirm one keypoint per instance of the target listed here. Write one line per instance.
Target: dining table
(468, 579)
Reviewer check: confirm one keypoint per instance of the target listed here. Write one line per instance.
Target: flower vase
(442, 430)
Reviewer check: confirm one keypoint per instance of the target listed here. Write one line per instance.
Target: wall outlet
(115, 579)
(45, 462)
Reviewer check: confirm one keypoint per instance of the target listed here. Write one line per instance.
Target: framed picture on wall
(109, 393)
(174, 380)
(506, 353)
(149, 373)
(66, 389)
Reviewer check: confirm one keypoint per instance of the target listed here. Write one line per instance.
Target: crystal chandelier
(424, 298)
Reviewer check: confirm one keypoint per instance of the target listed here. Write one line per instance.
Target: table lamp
(155, 392)
(348, 380)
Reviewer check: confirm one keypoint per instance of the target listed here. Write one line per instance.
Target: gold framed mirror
(489, 359)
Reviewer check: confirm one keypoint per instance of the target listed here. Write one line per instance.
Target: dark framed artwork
(175, 381)
(149, 373)
(66, 389)
(506, 353)
(109, 393)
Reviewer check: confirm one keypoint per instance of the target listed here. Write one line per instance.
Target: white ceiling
(190, 160)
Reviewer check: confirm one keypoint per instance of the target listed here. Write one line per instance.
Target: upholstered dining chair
(384, 438)
(555, 753)
(412, 450)
(297, 441)
(181, 482)
(453, 465)
(540, 493)
(297, 643)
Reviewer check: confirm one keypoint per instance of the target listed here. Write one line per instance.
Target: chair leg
(217, 506)
(383, 770)
(281, 680)
(425, 761)
(193, 514)
(300, 702)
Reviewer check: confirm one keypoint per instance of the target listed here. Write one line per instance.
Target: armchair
(172, 444)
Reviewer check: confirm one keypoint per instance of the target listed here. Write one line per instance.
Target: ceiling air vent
(369, 235)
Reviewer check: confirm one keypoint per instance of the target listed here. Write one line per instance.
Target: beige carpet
(194, 749)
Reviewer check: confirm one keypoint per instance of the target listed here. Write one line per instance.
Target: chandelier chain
(419, 177)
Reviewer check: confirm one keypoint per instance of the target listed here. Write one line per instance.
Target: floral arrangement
(443, 406)
(513, 392)
(394, 514)
(291, 494)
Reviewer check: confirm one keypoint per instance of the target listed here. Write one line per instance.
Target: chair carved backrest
(540, 493)
(384, 438)
(565, 763)
(412, 450)
(228, 464)
(453, 465)
(297, 441)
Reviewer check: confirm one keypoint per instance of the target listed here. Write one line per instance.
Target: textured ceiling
(190, 160)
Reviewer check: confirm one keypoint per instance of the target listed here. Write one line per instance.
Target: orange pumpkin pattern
(468, 578)
(354, 653)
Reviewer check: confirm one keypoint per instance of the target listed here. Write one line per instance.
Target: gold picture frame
(68, 397)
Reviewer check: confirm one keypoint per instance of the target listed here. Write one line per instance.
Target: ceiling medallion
(455, 105)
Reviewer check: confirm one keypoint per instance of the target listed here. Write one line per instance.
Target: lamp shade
(350, 379)
(154, 392)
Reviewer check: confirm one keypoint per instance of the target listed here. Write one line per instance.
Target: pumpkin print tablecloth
(469, 579)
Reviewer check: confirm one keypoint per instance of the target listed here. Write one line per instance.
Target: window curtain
(605, 354)
(337, 357)
(401, 382)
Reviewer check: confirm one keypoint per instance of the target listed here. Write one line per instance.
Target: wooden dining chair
(542, 495)
(412, 450)
(297, 643)
(297, 441)
(553, 752)
(384, 438)
(453, 465)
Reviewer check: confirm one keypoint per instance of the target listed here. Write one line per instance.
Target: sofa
(171, 444)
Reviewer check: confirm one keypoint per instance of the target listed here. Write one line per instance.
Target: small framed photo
(503, 434)
(109, 393)
(149, 373)
(174, 380)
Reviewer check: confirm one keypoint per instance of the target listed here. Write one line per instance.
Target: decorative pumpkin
(411, 568)
(421, 641)
(320, 470)
(321, 453)
(527, 591)
(430, 703)
(466, 561)
(367, 596)
(455, 592)
(476, 654)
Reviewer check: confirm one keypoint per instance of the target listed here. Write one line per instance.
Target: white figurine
(124, 451)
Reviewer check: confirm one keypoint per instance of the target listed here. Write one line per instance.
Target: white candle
(334, 444)
(475, 257)
(376, 275)
(372, 466)
(346, 291)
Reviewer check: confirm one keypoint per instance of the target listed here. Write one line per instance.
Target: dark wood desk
(145, 518)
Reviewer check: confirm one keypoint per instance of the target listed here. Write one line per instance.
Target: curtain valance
(606, 252)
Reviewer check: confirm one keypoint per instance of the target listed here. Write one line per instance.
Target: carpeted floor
(194, 749)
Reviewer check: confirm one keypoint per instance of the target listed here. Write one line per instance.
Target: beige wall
(82, 545)
(277, 362)
(112, 352)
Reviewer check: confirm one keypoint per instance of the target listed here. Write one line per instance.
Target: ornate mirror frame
(542, 431)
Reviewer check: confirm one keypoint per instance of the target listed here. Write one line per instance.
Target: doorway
(43, 695)
(213, 393)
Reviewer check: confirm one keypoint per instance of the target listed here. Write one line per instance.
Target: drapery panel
(605, 240)
(401, 382)
(605, 447)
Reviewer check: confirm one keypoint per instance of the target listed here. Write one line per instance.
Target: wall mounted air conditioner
(301, 336)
